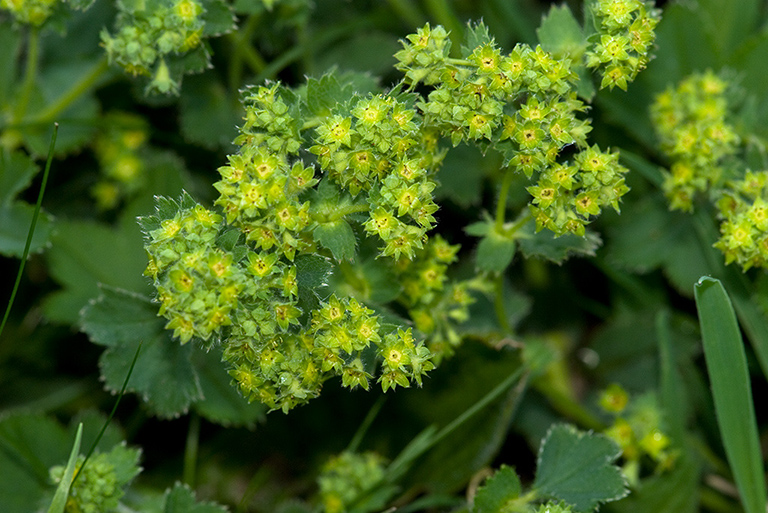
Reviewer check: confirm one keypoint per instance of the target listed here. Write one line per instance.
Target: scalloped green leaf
(495, 252)
(84, 254)
(221, 401)
(578, 467)
(181, 499)
(498, 490)
(556, 249)
(323, 94)
(560, 33)
(15, 220)
(338, 237)
(218, 17)
(163, 375)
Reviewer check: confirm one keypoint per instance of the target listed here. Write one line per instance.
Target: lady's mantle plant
(334, 183)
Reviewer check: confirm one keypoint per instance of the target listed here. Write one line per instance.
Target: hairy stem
(501, 205)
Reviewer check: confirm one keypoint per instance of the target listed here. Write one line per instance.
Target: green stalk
(501, 204)
(191, 450)
(79, 88)
(30, 74)
(498, 304)
(31, 232)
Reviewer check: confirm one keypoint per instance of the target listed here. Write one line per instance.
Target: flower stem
(30, 73)
(501, 205)
(79, 88)
(190, 451)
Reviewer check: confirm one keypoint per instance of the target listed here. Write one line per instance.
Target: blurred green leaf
(29, 445)
(181, 499)
(578, 468)
(163, 376)
(16, 173)
(495, 251)
(674, 491)
(218, 17)
(731, 390)
(84, 254)
(498, 491)
(556, 249)
(208, 117)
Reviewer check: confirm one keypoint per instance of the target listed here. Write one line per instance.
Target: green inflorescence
(345, 477)
(97, 490)
(743, 207)
(157, 38)
(524, 105)
(691, 121)
(254, 274)
(625, 36)
(30, 12)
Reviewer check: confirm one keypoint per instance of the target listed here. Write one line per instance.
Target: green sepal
(498, 490)
(578, 467)
(476, 35)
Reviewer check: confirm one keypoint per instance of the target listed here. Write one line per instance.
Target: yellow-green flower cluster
(382, 150)
(30, 12)
(638, 430)
(691, 121)
(259, 194)
(524, 104)
(346, 477)
(568, 195)
(434, 304)
(744, 230)
(118, 150)
(198, 283)
(149, 32)
(625, 35)
(96, 490)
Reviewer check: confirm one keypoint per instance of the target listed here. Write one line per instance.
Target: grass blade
(59, 501)
(31, 227)
(729, 379)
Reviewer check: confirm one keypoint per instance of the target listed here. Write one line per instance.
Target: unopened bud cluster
(97, 490)
(148, 33)
(625, 35)
(118, 150)
(346, 477)
(30, 12)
